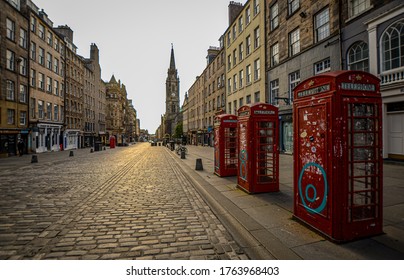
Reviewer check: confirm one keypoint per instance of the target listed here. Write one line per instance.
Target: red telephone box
(258, 161)
(338, 154)
(226, 145)
(112, 142)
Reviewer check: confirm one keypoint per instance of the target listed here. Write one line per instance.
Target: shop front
(45, 138)
(286, 132)
(71, 139)
(8, 142)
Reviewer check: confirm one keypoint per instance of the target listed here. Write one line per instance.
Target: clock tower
(172, 96)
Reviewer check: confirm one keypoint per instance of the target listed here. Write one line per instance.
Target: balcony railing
(392, 76)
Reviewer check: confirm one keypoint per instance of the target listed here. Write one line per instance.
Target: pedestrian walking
(21, 147)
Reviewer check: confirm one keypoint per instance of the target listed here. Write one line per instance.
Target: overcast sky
(134, 38)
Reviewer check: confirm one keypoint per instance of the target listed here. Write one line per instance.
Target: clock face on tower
(173, 94)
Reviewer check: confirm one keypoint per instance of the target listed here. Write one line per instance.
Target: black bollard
(34, 159)
(182, 154)
(71, 154)
(199, 165)
(91, 151)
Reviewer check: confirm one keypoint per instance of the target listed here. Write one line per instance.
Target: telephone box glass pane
(265, 159)
(363, 161)
(230, 152)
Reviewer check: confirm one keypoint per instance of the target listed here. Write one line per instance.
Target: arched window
(358, 57)
(392, 43)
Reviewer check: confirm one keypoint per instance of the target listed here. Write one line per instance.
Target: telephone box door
(244, 160)
(312, 159)
(267, 156)
(364, 161)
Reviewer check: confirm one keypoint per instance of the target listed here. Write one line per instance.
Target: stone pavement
(124, 203)
(265, 220)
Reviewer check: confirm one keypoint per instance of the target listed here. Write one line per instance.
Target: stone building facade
(116, 98)
(214, 92)
(73, 137)
(14, 73)
(50, 97)
(372, 37)
(196, 110)
(245, 57)
(94, 99)
(47, 49)
(302, 41)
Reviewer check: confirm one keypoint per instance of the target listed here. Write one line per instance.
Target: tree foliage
(178, 131)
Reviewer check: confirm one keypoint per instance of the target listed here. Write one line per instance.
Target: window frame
(241, 51)
(49, 113)
(41, 31)
(241, 78)
(325, 64)
(248, 74)
(23, 66)
(396, 27)
(23, 93)
(294, 80)
(10, 27)
(247, 16)
(10, 116)
(248, 45)
(23, 117)
(293, 6)
(33, 24)
(10, 90)
(23, 38)
(32, 53)
(274, 92)
(274, 17)
(10, 60)
(274, 56)
(41, 81)
(33, 77)
(257, 37)
(41, 56)
(257, 69)
(360, 48)
(322, 25)
(294, 45)
(354, 8)
(256, 7)
(240, 24)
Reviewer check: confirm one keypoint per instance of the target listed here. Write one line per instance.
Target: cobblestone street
(125, 203)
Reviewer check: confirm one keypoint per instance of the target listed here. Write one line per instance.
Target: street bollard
(182, 154)
(91, 151)
(34, 159)
(71, 154)
(199, 165)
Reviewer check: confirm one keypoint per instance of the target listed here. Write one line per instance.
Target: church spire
(172, 60)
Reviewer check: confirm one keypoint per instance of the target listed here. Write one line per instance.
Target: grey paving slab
(303, 241)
